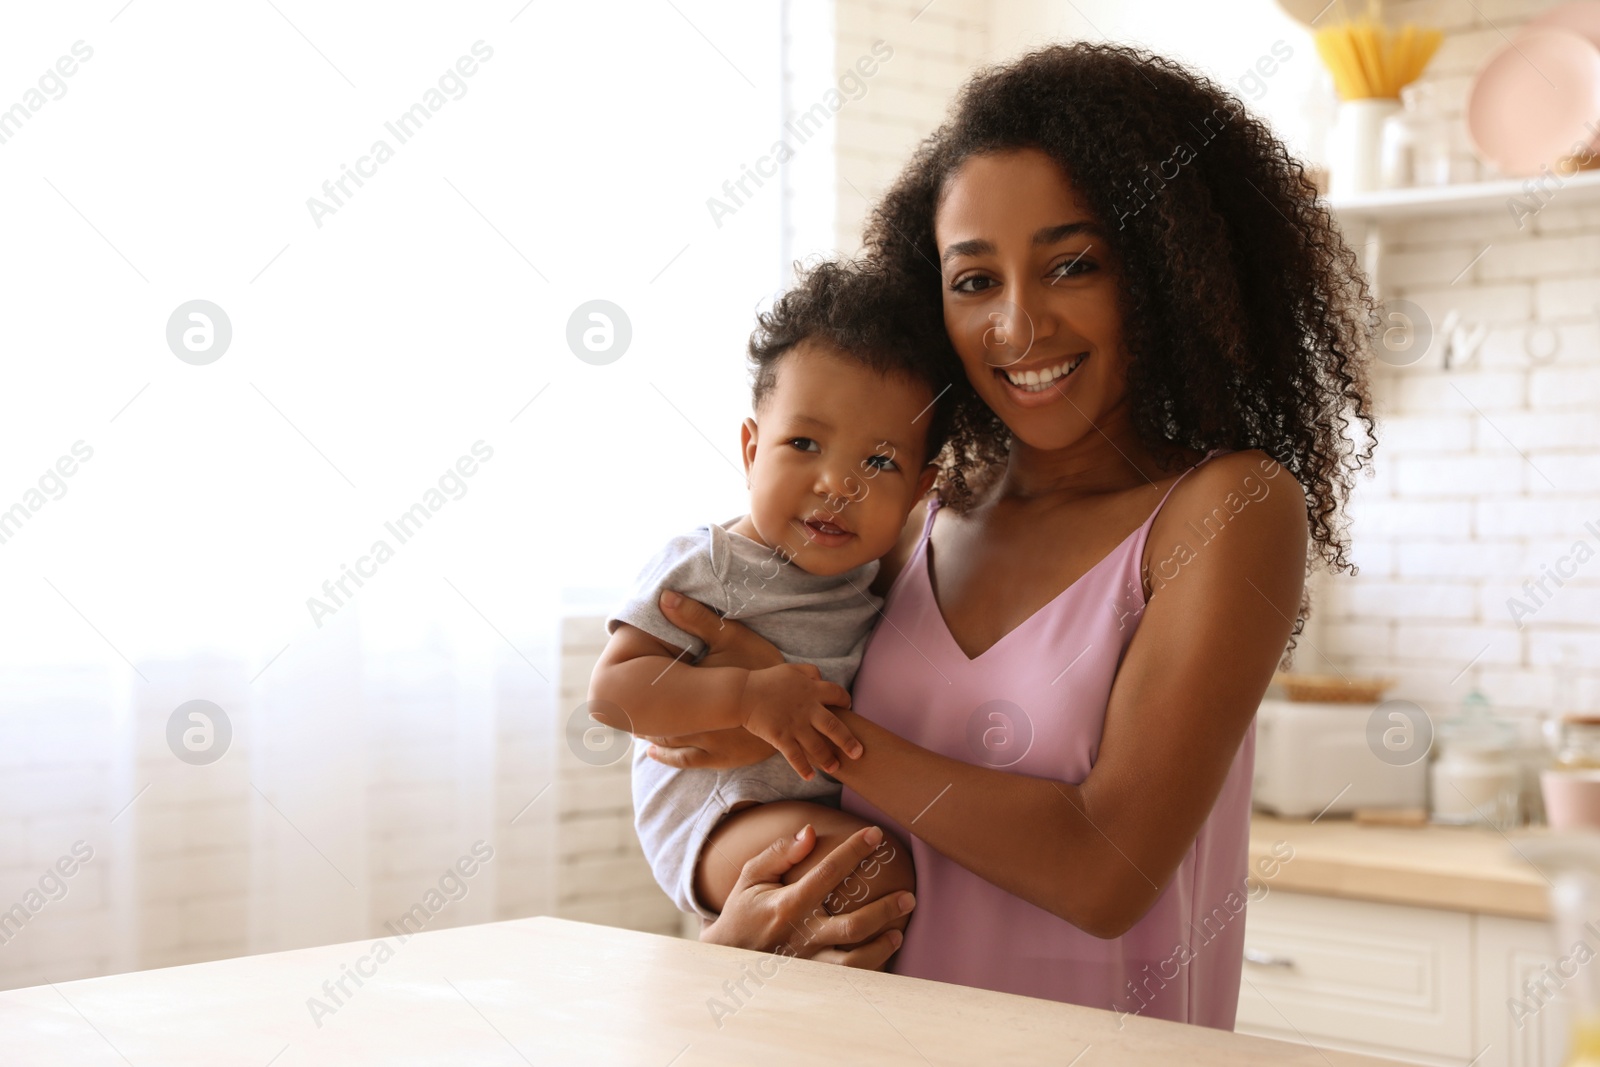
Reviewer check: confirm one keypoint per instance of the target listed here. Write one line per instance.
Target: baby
(844, 443)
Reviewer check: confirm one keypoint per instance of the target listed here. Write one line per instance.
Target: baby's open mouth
(817, 530)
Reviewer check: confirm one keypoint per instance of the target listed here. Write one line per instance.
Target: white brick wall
(935, 48)
(1488, 471)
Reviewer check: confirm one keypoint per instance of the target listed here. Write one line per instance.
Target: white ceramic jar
(1355, 157)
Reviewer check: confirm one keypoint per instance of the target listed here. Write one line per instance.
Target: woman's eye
(887, 464)
(1075, 266)
(802, 442)
(966, 285)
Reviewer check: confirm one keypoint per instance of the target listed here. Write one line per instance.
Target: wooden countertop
(547, 990)
(1450, 867)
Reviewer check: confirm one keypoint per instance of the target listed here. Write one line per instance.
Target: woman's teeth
(1035, 381)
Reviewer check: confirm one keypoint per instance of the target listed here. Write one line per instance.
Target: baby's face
(835, 463)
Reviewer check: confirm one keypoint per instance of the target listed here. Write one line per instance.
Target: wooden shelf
(1389, 204)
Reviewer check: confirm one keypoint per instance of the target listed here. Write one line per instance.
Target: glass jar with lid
(1475, 778)
(1580, 743)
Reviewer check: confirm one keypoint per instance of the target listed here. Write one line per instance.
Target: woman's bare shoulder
(1247, 491)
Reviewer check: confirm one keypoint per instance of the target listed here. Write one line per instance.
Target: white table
(549, 991)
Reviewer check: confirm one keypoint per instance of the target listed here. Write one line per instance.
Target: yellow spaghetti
(1369, 60)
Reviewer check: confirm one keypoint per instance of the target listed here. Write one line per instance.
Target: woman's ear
(747, 446)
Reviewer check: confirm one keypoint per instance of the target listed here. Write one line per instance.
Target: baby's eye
(887, 464)
(802, 447)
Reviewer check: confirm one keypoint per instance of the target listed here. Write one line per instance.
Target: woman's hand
(765, 915)
(729, 643)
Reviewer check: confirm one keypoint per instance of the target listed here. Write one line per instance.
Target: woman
(1157, 339)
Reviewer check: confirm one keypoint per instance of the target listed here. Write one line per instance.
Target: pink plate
(1536, 100)
(1581, 17)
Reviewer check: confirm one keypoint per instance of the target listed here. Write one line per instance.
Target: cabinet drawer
(1525, 993)
(1358, 976)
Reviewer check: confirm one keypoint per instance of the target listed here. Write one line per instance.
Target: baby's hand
(783, 705)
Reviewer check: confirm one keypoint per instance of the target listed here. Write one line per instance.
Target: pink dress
(1035, 704)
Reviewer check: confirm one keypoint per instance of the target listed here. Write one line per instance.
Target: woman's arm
(1098, 853)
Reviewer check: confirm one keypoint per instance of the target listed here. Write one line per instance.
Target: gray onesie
(810, 618)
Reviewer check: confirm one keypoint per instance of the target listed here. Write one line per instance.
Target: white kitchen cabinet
(1524, 1025)
(1421, 985)
(1384, 979)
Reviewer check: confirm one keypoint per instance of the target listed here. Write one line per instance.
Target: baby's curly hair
(1246, 318)
(863, 311)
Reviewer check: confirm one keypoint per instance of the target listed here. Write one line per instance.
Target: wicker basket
(1331, 688)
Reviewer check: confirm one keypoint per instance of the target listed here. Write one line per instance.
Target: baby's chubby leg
(749, 828)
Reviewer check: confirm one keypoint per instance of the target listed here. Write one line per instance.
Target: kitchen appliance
(1318, 759)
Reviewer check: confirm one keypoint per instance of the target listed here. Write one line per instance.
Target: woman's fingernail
(874, 836)
(671, 599)
(855, 753)
(802, 832)
(896, 937)
(907, 902)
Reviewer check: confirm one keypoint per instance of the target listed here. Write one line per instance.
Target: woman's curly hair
(1246, 318)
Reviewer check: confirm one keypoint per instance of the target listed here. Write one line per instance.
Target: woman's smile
(1036, 386)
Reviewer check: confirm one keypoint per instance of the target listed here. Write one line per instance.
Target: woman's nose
(1013, 328)
(1032, 307)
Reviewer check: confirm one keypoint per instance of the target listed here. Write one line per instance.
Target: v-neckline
(933, 597)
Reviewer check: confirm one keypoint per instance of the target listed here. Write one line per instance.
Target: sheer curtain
(343, 347)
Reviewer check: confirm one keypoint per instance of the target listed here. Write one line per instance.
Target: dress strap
(934, 503)
(1203, 461)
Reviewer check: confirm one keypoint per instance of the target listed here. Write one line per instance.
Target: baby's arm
(639, 687)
